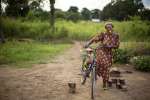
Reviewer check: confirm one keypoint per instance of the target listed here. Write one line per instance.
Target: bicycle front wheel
(93, 82)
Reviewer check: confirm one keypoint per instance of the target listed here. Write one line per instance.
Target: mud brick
(110, 83)
(122, 81)
(72, 87)
(118, 85)
(124, 88)
(129, 72)
(115, 72)
(114, 80)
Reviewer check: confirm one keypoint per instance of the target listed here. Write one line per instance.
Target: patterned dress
(104, 54)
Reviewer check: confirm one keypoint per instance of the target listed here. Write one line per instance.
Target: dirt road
(49, 81)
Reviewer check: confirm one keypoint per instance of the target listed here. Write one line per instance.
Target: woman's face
(109, 28)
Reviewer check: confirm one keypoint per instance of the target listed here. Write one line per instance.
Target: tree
(1, 7)
(35, 4)
(16, 8)
(122, 9)
(38, 14)
(73, 14)
(145, 14)
(60, 14)
(36, 10)
(86, 14)
(73, 9)
(96, 13)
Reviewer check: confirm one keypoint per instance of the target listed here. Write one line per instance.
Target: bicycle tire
(92, 83)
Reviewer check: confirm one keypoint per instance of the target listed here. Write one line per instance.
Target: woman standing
(109, 41)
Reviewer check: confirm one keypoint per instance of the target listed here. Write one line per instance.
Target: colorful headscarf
(109, 24)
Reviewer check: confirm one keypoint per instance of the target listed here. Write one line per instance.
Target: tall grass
(136, 48)
(128, 30)
(25, 29)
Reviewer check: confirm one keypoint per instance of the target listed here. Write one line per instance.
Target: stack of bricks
(117, 80)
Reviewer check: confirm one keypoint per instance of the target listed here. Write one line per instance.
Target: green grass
(136, 48)
(82, 30)
(26, 53)
(134, 45)
(134, 37)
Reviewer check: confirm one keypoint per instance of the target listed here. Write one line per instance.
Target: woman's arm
(117, 42)
(95, 39)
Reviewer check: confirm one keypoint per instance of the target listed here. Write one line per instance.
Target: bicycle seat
(89, 49)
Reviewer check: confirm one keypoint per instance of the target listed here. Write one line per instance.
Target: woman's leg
(105, 76)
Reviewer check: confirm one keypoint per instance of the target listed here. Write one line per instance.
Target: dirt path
(49, 82)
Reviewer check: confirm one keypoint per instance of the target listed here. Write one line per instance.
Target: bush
(73, 16)
(141, 63)
(121, 56)
(38, 15)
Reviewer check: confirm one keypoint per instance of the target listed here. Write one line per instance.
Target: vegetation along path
(49, 81)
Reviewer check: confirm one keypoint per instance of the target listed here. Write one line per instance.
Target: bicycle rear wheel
(93, 82)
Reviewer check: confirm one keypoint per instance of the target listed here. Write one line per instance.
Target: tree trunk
(52, 15)
(2, 39)
(1, 7)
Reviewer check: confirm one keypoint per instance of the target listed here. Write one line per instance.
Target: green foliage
(52, 1)
(38, 14)
(122, 9)
(24, 29)
(86, 14)
(16, 8)
(35, 4)
(128, 50)
(73, 9)
(36, 29)
(141, 63)
(59, 14)
(133, 30)
(135, 18)
(14, 52)
(95, 13)
(136, 48)
(120, 56)
(73, 14)
(145, 14)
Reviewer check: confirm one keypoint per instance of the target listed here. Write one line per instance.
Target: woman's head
(109, 27)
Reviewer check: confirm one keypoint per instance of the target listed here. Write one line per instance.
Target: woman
(109, 40)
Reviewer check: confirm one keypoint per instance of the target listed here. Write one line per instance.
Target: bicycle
(89, 70)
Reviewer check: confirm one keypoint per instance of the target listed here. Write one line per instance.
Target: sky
(146, 3)
(90, 4)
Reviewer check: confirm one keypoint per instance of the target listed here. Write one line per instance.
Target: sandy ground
(49, 81)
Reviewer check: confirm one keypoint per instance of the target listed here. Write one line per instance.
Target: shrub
(141, 63)
(121, 56)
